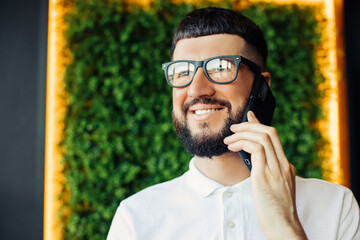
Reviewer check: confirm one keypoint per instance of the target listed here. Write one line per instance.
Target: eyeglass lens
(219, 70)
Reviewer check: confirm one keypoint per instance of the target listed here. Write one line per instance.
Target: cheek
(244, 84)
(179, 97)
(239, 92)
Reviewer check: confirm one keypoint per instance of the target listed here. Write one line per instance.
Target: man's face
(204, 111)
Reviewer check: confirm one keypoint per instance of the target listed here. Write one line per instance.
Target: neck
(227, 169)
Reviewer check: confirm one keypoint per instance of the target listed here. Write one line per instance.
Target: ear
(267, 77)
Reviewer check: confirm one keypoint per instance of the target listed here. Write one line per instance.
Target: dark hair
(212, 20)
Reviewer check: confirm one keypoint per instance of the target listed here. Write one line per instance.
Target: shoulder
(321, 196)
(319, 187)
(333, 205)
(137, 214)
(154, 195)
(151, 205)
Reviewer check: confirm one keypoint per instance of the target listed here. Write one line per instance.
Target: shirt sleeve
(121, 227)
(349, 219)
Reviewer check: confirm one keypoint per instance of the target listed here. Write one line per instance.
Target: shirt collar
(205, 186)
(199, 182)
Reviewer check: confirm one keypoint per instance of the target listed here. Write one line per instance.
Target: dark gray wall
(352, 49)
(23, 42)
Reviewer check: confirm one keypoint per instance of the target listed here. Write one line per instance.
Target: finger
(252, 118)
(258, 155)
(259, 138)
(271, 131)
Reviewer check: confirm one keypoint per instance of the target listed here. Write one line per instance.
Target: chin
(206, 127)
(205, 138)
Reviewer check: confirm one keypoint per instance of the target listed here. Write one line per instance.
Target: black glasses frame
(237, 58)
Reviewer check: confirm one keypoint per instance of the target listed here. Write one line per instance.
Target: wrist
(294, 231)
(297, 234)
(289, 230)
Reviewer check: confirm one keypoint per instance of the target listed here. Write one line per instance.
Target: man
(218, 198)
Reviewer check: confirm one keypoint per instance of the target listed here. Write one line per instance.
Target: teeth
(205, 111)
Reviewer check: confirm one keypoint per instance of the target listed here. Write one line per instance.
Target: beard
(206, 144)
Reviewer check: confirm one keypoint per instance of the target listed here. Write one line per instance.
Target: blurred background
(86, 111)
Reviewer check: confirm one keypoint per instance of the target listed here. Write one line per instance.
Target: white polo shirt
(194, 206)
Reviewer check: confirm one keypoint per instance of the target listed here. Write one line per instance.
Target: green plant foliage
(119, 135)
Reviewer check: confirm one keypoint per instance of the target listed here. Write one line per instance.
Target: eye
(220, 65)
(220, 69)
(184, 73)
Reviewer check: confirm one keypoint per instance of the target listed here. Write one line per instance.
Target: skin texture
(272, 174)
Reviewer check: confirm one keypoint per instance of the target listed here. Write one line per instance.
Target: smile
(204, 111)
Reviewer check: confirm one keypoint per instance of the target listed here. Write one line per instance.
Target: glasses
(221, 70)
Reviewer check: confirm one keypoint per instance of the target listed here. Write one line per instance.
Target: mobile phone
(262, 103)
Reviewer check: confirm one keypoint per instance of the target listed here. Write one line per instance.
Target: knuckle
(290, 169)
(273, 131)
(258, 148)
(293, 169)
(264, 138)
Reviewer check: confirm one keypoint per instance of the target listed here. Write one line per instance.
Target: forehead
(204, 47)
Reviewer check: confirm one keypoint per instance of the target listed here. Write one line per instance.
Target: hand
(272, 179)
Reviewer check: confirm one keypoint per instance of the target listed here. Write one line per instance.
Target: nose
(201, 85)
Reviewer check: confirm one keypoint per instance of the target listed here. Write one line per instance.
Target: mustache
(206, 100)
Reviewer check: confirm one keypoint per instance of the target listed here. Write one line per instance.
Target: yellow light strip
(335, 105)
(301, 2)
(55, 109)
(331, 125)
(342, 92)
